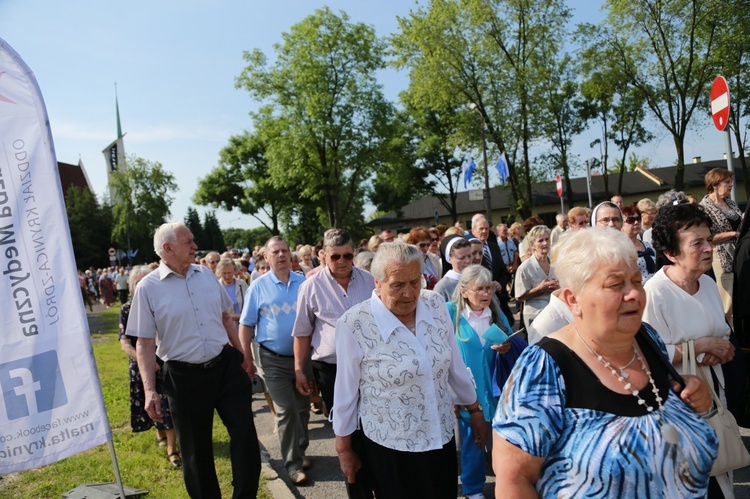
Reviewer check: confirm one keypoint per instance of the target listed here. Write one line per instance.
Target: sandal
(161, 442)
(177, 461)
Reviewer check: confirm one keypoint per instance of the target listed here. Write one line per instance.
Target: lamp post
(487, 200)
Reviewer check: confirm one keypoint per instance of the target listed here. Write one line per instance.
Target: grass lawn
(143, 465)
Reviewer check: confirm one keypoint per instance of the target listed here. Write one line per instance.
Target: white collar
(387, 322)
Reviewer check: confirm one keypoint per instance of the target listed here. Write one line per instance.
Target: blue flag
(468, 171)
(502, 168)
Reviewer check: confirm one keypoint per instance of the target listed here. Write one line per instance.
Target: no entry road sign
(720, 103)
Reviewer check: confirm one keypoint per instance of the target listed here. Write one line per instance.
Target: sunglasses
(434, 240)
(423, 245)
(632, 219)
(346, 256)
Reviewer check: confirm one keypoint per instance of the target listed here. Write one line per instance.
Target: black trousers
(325, 377)
(407, 475)
(193, 395)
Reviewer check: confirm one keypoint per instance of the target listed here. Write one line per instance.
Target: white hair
(579, 255)
(536, 232)
(397, 251)
(137, 273)
(165, 233)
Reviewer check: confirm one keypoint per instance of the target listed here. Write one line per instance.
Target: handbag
(732, 451)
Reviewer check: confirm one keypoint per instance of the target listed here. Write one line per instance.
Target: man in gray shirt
(182, 311)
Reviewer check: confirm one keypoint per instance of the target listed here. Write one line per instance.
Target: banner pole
(116, 468)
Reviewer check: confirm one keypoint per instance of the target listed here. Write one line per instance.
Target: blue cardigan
(480, 360)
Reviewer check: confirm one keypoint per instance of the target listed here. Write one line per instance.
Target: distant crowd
(410, 342)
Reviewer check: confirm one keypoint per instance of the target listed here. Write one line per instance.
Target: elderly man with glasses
(322, 300)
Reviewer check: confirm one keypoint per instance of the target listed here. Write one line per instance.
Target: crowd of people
(409, 342)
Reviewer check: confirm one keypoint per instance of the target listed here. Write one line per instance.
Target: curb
(277, 487)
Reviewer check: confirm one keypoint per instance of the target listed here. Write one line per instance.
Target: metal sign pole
(730, 165)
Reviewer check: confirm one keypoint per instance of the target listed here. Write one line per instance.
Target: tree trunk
(679, 175)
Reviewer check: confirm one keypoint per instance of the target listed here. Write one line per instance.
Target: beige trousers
(724, 281)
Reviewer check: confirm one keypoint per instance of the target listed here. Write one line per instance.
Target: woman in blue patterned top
(588, 411)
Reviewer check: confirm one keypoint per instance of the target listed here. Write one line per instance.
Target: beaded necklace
(622, 377)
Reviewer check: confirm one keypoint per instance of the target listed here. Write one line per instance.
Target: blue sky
(175, 65)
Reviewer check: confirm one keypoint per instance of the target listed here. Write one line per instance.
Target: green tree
(243, 180)
(330, 116)
(610, 99)
(495, 54)
(665, 49)
(193, 222)
(733, 54)
(142, 199)
(437, 135)
(302, 225)
(246, 238)
(212, 231)
(90, 227)
(563, 120)
(400, 179)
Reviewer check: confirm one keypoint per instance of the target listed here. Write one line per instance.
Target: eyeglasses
(632, 219)
(346, 256)
(607, 220)
(482, 291)
(423, 244)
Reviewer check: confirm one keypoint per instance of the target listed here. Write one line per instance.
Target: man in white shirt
(182, 312)
(562, 225)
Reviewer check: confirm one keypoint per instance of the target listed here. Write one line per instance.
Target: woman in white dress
(683, 303)
(535, 278)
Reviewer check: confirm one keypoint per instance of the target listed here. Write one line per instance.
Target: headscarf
(603, 204)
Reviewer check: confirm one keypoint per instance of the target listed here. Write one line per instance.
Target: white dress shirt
(402, 385)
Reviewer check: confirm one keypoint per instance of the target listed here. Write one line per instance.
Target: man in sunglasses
(323, 298)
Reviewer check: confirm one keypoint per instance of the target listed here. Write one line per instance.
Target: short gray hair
(165, 233)
(272, 239)
(579, 255)
(671, 198)
(363, 260)
(536, 232)
(397, 251)
(337, 237)
(225, 262)
(137, 273)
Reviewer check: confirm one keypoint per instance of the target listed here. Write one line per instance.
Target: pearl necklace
(622, 377)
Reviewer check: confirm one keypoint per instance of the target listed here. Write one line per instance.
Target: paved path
(325, 478)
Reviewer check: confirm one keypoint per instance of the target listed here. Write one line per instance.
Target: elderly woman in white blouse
(683, 303)
(399, 373)
(535, 278)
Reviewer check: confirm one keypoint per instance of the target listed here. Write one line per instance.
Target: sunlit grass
(143, 465)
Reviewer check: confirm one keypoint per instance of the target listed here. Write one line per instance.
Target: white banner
(51, 405)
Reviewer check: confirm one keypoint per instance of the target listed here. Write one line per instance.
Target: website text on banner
(51, 405)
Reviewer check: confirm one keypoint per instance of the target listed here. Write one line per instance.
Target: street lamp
(487, 200)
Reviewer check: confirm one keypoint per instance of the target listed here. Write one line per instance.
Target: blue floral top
(598, 445)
